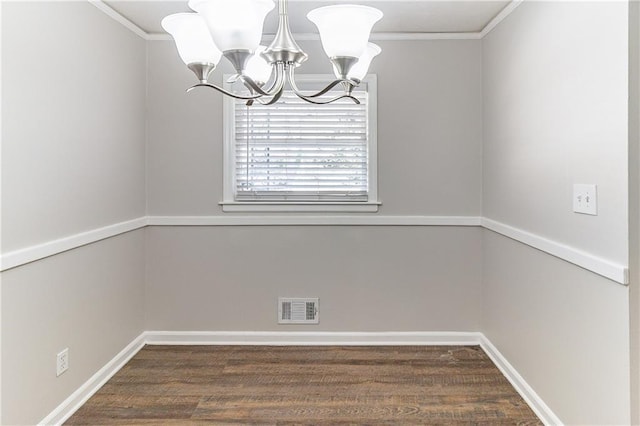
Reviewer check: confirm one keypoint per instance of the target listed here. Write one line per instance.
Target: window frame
(230, 204)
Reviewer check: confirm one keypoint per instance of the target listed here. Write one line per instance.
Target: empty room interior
(472, 200)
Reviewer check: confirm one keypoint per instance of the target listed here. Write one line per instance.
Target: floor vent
(298, 311)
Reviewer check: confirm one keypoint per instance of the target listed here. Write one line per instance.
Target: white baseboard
(70, 405)
(277, 338)
(284, 338)
(527, 393)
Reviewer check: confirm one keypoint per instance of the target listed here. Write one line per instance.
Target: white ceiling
(400, 16)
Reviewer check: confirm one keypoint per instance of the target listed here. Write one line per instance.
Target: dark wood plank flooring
(307, 385)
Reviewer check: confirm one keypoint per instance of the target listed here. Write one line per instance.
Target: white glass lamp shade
(344, 29)
(192, 38)
(234, 24)
(258, 68)
(360, 69)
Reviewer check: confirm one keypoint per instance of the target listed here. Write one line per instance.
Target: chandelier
(233, 29)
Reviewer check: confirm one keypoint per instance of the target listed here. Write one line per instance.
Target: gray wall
(89, 300)
(429, 134)
(73, 122)
(368, 278)
(564, 329)
(73, 144)
(555, 113)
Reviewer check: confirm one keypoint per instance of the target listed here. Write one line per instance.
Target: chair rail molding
(36, 252)
(616, 272)
(596, 264)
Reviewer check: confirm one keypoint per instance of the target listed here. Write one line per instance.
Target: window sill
(261, 206)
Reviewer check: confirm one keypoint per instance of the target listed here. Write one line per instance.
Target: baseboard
(527, 393)
(314, 220)
(280, 338)
(277, 338)
(91, 386)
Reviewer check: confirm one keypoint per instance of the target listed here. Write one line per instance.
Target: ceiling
(400, 16)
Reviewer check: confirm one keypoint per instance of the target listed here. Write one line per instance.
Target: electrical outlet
(585, 199)
(62, 362)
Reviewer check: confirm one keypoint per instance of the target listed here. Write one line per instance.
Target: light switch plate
(585, 199)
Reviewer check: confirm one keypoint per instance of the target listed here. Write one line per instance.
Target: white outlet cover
(585, 199)
(62, 362)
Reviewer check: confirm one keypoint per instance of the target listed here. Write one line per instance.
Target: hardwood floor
(307, 385)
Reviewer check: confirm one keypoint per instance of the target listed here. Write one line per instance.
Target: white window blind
(297, 151)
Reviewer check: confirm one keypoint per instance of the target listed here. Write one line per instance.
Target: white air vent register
(298, 311)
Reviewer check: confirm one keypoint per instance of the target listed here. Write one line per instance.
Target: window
(297, 156)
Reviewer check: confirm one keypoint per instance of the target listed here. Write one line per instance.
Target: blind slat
(296, 150)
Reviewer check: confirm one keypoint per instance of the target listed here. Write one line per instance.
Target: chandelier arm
(294, 86)
(225, 92)
(278, 79)
(273, 100)
(326, 89)
(337, 98)
(278, 83)
(275, 89)
(254, 87)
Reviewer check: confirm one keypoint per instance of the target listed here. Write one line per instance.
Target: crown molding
(422, 36)
(373, 37)
(390, 36)
(508, 10)
(158, 37)
(116, 16)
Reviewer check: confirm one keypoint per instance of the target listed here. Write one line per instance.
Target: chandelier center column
(284, 48)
